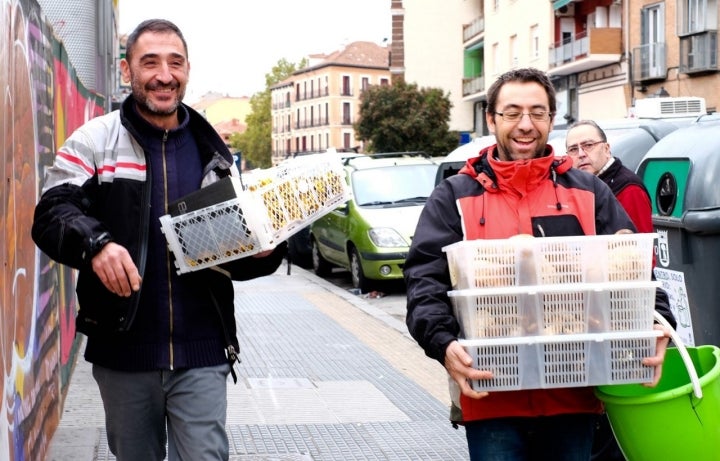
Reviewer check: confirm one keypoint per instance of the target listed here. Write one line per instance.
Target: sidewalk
(324, 376)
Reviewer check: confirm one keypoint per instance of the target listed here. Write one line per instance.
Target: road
(390, 297)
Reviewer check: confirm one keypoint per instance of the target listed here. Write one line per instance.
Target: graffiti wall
(41, 103)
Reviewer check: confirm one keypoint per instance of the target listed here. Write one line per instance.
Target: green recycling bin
(681, 172)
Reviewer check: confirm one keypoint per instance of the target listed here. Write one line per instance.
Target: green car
(370, 235)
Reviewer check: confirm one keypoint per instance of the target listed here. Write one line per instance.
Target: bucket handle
(697, 390)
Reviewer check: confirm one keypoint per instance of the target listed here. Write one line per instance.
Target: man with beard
(161, 344)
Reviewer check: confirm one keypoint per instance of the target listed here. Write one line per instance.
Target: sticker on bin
(519, 261)
(554, 309)
(546, 362)
(274, 204)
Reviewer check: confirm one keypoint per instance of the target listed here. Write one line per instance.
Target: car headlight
(386, 237)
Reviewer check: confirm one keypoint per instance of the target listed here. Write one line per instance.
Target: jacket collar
(519, 175)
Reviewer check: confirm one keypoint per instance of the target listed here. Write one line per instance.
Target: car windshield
(397, 184)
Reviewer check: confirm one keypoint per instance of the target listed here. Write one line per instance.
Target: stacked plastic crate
(266, 208)
(556, 312)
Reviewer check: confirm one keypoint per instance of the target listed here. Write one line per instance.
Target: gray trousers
(185, 408)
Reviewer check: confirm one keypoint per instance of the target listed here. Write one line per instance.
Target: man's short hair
(524, 75)
(152, 25)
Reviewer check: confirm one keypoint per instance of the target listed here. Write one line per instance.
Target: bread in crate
(509, 312)
(299, 191)
(546, 362)
(228, 220)
(550, 260)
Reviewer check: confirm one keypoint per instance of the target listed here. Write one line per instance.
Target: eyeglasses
(516, 116)
(586, 146)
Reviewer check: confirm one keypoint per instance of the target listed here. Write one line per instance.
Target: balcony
(649, 62)
(587, 50)
(473, 85)
(474, 30)
(699, 53)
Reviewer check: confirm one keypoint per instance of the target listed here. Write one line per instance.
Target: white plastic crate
(215, 234)
(550, 260)
(546, 362)
(299, 191)
(275, 204)
(554, 309)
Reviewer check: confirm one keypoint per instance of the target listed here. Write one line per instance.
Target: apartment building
(463, 46)
(315, 108)
(435, 54)
(674, 50)
(602, 55)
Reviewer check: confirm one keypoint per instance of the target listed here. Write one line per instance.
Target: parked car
(370, 235)
(299, 246)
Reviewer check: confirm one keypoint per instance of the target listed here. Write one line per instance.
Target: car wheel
(356, 272)
(321, 266)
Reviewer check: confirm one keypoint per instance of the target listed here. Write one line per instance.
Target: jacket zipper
(168, 263)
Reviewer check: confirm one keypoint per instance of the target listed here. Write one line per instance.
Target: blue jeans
(556, 438)
(184, 408)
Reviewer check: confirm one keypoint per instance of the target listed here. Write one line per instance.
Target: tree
(403, 117)
(256, 142)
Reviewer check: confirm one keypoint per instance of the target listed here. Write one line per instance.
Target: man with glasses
(517, 186)
(588, 147)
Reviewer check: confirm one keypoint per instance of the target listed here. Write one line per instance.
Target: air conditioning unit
(566, 11)
(669, 107)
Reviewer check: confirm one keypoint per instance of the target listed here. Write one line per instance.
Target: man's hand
(659, 358)
(458, 364)
(116, 270)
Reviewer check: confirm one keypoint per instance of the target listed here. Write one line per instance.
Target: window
(699, 53)
(384, 82)
(346, 90)
(696, 16)
(513, 51)
(346, 114)
(649, 58)
(496, 58)
(534, 42)
(365, 83)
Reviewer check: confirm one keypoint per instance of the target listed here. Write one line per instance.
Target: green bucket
(669, 421)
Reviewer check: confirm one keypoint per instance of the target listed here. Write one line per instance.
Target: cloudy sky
(232, 44)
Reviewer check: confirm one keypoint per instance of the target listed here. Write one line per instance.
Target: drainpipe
(626, 44)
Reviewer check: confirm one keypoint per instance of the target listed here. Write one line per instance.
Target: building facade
(438, 59)
(602, 55)
(674, 49)
(315, 108)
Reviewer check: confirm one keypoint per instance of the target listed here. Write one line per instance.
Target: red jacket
(630, 191)
(492, 199)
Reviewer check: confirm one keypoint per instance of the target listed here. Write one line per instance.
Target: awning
(560, 3)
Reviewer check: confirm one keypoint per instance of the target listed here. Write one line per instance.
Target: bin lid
(681, 170)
